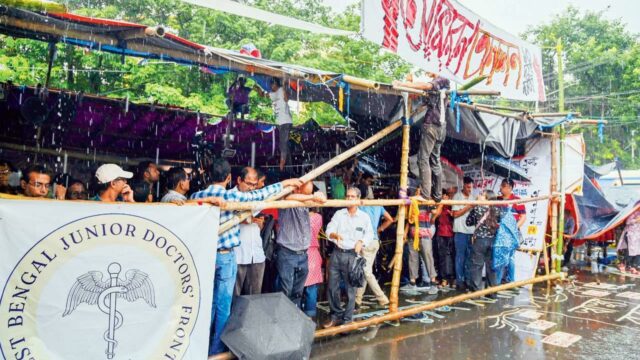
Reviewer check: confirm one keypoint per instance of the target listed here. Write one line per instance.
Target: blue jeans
(225, 280)
(462, 244)
(293, 269)
(309, 305)
(500, 273)
(511, 270)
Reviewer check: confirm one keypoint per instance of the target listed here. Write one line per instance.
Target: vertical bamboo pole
(402, 210)
(558, 262)
(554, 202)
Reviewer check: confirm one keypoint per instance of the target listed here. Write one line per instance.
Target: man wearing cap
(226, 266)
(114, 184)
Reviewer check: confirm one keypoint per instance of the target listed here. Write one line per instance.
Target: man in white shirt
(461, 232)
(249, 254)
(350, 229)
(284, 120)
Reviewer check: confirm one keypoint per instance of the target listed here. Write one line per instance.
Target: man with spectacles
(249, 254)
(6, 171)
(179, 183)
(351, 230)
(35, 181)
(226, 266)
(114, 184)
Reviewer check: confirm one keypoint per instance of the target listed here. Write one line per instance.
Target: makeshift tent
(369, 103)
(595, 215)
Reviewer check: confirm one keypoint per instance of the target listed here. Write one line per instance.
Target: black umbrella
(268, 326)
(505, 168)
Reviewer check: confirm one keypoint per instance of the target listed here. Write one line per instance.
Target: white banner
(444, 37)
(105, 281)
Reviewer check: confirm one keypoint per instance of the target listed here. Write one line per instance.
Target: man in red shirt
(519, 212)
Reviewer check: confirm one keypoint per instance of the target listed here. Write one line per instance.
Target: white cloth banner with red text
(444, 37)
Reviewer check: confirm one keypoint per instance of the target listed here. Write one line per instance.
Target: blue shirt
(375, 214)
(230, 238)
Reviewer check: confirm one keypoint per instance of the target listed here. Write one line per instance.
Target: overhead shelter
(371, 105)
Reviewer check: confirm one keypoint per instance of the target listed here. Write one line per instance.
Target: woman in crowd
(629, 245)
(314, 278)
(486, 219)
(444, 241)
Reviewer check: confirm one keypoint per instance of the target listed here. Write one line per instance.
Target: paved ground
(590, 317)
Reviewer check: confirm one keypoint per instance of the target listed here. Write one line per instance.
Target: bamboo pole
(361, 82)
(479, 108)
(505, 108)
(286, 204)
(319, 171)
(554, 202)
(433, 305)
(402, 210)
(555, 114)
(587, 122)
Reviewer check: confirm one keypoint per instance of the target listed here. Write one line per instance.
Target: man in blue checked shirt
(226, 266)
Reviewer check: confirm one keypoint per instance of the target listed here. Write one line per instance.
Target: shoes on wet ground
(409, 287)
(423, 286)
(383, 302)
(332, 323)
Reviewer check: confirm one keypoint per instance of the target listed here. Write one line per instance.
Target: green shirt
(337, 188)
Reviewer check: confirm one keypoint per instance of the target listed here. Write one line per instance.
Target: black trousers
(339, 268)
(445, 248)
(480, 257)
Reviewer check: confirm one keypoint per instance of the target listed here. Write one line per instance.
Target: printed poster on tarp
(444, 37)
(86, 280)
(536, 163)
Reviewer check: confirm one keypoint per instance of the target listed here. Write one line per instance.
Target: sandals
(634, 271)
(622, 268)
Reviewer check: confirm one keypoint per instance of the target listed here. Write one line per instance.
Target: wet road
(589, 317)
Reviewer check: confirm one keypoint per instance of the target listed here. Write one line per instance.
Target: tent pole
(554, 202)
(559, 250)
(402, 209)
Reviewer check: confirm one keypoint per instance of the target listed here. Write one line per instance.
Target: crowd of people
(281, 250)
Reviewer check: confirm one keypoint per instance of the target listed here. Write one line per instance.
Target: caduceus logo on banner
(91, 289)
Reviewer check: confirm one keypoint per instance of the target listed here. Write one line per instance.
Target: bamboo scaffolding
(285, 204)
(392, 316)
(402, 210)
(318, 171)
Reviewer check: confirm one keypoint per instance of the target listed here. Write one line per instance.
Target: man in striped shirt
(226, 267)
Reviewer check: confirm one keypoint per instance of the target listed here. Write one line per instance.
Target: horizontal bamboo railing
(285, 204)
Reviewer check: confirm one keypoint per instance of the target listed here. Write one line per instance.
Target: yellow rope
(414, 219)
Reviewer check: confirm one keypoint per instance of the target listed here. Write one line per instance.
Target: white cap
(109, 172)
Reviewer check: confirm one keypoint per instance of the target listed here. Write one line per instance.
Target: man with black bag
(350, 229)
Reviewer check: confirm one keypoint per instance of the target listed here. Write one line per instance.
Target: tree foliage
(602, 78)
